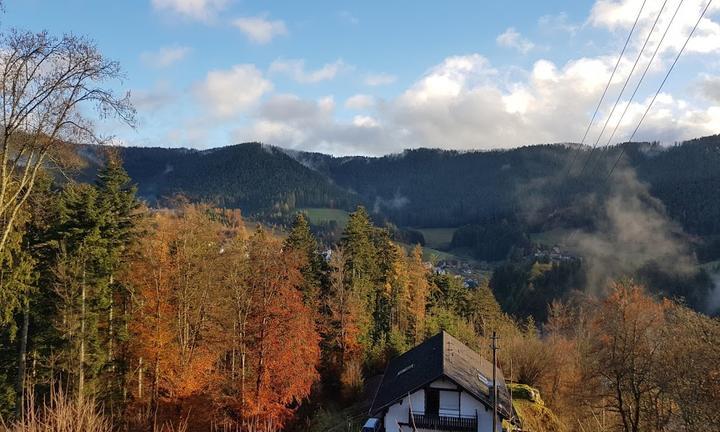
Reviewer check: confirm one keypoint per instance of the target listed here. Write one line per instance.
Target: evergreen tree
(314, 268)
(118, 206)
(419, 291)
(90, 238)
(485, 310)
(361, 268)
(17, 286)
(81, 288)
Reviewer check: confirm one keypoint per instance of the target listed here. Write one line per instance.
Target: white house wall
(485, 422)
(443, 384)
(399, 412)
(469, 405)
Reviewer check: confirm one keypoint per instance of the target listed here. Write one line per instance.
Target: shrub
(60, 414)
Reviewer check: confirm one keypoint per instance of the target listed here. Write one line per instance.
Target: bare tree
(49, 87)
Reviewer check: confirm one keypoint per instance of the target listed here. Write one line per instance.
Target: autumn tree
(419, 291)
(150, 273)
(342, 334)
(176, 293)
(485, 312)
(626, 342)
(692, 359)
(285, 344)
(220, 326)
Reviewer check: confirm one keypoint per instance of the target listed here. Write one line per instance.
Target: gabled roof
(440, 356)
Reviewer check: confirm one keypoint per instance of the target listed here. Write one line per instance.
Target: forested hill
(434, 188)
(253, 177)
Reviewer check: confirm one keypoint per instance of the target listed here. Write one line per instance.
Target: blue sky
(376, 77)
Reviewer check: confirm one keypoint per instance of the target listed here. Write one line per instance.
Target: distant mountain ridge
(430, 187)
(254, 177)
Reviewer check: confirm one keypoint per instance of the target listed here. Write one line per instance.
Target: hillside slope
(250, 176)
(437, 188)
(428, 188)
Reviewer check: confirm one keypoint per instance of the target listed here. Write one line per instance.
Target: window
(432, 403)
(449, 403)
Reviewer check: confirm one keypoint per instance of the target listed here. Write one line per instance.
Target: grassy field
(550, 238)
(317, 216)
(431, 254)
(437, 238)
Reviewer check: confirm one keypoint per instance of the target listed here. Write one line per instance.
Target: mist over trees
(528, 189)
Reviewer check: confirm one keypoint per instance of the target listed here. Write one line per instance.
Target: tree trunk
(111, 356)
(81, 372)
(156, 372)
(140, 378)
(22, 360)
(232, 354)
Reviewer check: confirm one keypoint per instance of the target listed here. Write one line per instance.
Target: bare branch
(47, 85)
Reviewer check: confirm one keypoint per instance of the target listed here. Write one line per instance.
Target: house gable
(442, 357)
(455, 409)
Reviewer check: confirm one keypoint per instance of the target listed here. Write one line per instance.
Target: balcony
(459, 423)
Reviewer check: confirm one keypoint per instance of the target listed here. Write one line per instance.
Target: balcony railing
(460, 423)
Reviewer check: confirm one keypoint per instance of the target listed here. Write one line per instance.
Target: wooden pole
(494, 382)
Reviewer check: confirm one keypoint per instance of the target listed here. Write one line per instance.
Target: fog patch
(632, 230)
(397, 202)
(713, 301)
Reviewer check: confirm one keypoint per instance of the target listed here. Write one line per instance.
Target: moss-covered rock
(525, 392)
(533, 414)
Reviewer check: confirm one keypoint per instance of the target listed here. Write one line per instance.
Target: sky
(377, 77)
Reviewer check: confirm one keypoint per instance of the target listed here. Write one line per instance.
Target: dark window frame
(437, 390)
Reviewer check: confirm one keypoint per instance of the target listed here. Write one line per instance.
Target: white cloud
(359, 102)
(558, 22)
(364, 121)
(619, 15)
(227, 93)
(164, 57)
(295, 68)
(466, 103)
(201, 10)
(510, 38)
(259, 29)
(379, 79)
(708, 87)
(292, 122)
(155, 98)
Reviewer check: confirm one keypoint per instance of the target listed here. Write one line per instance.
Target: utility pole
(494, 347)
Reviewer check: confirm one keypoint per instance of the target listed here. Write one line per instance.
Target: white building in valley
(440, 385)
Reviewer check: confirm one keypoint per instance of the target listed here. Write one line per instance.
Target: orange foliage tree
(284, 344)
(175, 330)
(624, 358)
(221, 334)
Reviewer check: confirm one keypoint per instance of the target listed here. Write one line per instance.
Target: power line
(627, 80)
(622, 151)
(602, 98)
(642, 77)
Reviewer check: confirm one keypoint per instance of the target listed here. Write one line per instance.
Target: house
(439, 385)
